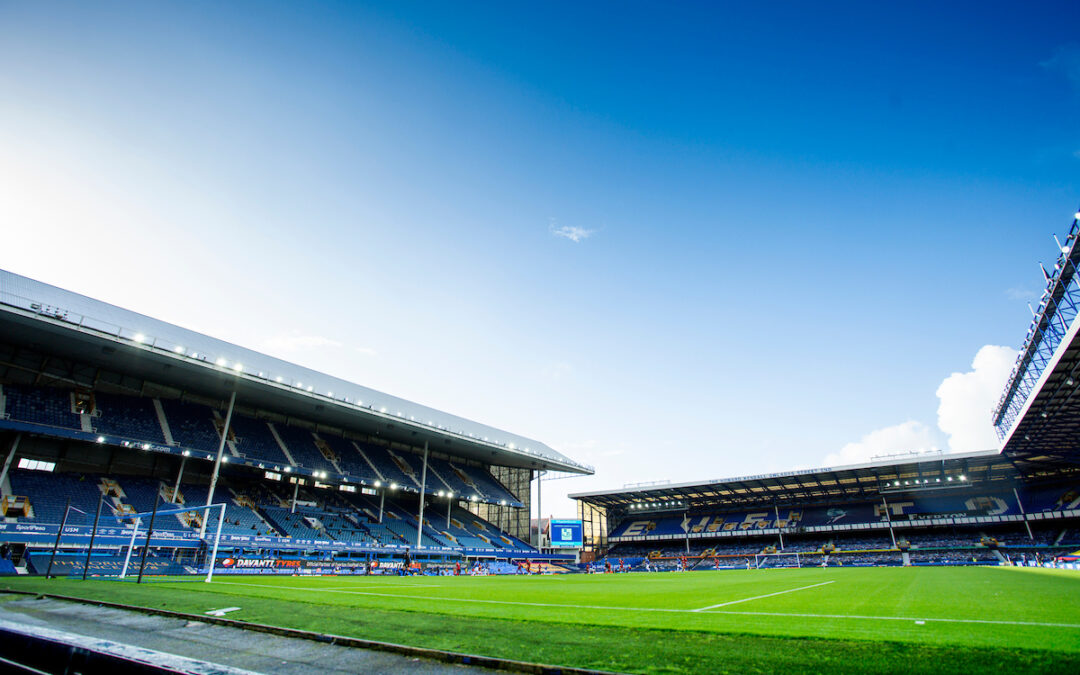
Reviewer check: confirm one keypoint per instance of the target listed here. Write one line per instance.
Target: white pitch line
(659, 609)
(759, 597)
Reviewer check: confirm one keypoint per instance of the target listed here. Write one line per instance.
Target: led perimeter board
(566, 533)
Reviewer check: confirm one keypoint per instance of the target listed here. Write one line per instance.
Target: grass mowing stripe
(759, 597)
(477, 600)
(994, 622)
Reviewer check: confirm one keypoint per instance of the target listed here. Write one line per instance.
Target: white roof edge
(927, 457)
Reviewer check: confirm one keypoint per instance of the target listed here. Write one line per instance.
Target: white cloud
(906, 437)
(573, 233)
(295, 342)
(967, 399)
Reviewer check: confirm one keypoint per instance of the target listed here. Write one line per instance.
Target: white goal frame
(760, 558)
(169, 512)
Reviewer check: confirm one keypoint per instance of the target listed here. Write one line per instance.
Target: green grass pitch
(843, 620)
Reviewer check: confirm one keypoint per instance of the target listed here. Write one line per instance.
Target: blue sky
(674, 241)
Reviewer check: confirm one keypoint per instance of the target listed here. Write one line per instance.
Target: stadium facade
(103, 406)
(1022, 501)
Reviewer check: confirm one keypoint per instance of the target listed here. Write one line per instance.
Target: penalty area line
(759, 597)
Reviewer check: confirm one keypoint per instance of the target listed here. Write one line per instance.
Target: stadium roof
(96, 333)
(1038, 417)
(1045, 433)
(859, 482)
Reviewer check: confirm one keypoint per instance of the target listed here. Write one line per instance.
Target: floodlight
(288, 469)
(310, 388)
(224, 459)
(440, 493)
(330, 393)
(378, 483)
(502, 502)
(1076, 216)
(949, 479)
(221, 362)
(238, 367)
(100, 439)
(186, 453)
(963, 477)
(178, 350)
(145, 446)
(450, 494)
(139, 337)
(393, 486)
(382, 409)
(278, 379)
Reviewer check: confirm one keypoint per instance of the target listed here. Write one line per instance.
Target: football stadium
(151, 469)
(415, 337)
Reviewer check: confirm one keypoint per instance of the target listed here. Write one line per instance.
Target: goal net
(134, 546)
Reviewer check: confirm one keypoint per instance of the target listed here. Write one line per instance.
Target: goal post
(206, 509)
(791, 559)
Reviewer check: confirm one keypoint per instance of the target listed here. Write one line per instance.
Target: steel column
(217, 463)
(1023, 513)
(93, 533)
(11, 456)
(56, 545)
(423, 489)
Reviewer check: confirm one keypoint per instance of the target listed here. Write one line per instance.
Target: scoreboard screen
(566, 533)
